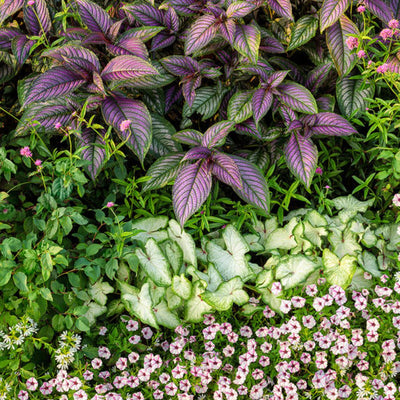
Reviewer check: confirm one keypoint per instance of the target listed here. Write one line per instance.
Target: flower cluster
(17, 334)
(69, 344)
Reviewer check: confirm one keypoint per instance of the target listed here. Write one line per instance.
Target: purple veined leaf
(163, 171)
(7, 72)
(225, 169)
(254, 186)
(282, 7)
(295, 73)
(271, 45)
(6, 35)
(317, 76)
(52, 84)
(189, 85)
(37, 18)
(327, 123)
(127, 67)
(93, 16)
(143, 33)
(276, 78)
(395, 6)
(189, 136)
(114, 30)
(93, 102)
(172, 96)
(201, 33)
(96, 38)
(191, 188)
(239, 9)
(211, 73)
(249, 128)
(297, 97)
(162, 142)
(171, 20)
(240, 106)
(379, 9)
(303, 31)
(98, 82)
(326, 103)
(301, 157)
(287, 113)
(336, 35)
(394, 64)
(74, 34)
(75, 57)
(216, 134)
(93, 150)
(129, 46)
(45, 116)
(296, 125)
(197, 153)
(254, 70)
(21, 47)
(247, 41)
(146, 14)
(188, 7)
(180, 65)
(228, 30)
(138, 135)
(162, 40)
(331, 11)
(8, 8)
(261, 103)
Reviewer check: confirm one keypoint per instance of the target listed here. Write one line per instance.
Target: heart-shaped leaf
(196, 307)
(338, 272)
(165, 317)
(182, 286)
(153, 227)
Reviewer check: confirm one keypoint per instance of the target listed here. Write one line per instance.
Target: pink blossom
(30, 2)
(110, 204)
(361, 9)
(386, 33)
(31, 384)
(318, 171)
(57, 125)
(361, 54)
(276, 288)
(124, 125)
(352, 42)
(382, 69)
(396, 200)
(393, 24)
(38, 163)
(23, 395)
(26, 152)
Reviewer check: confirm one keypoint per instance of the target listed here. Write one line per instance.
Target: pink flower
(97, 363)
(386, 33)
(352, 42)
(30, 2)
(396, 200)
(276, 288)
(25, 152)
(361, 9)
(382, 69)
(318, 171)
(393, 24)
(38, 163)
(110, 204)
(32, 384)
(102, 330)
(361, 54)
(23, 395)
(124, 125)
(57, 125)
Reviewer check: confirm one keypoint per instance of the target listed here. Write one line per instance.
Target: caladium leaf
(215, 134)
(352, 95)
(380, 9)
(331, 11)
(127, 67)
(189, 136)
(146, 14)
(328, 124)
(247, 41)
(196, 307)
(52, 84)
(350, 206)
(339, 272)
(99, 292)
(165, 316)
(153, 227)
(197, 153)
(191, 188)
(37, 18)
(164, 170)
(227, 293)
(279, 238)
(240, 106)
(21, 47)
(138, 135)
(180, 65)
(297, 97)
(303, 31)
(201, 33)
(226, 170)
(254, 186)
(282, 8)
(181, 286)
(301, 157)
(163, 131)
(336, 35)
(261, 103)
(93, 16)
(93, 150)
(8, 8)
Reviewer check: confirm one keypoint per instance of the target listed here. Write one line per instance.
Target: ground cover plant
(199, 199)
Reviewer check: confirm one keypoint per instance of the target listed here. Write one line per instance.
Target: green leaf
(181, 286)
(154, 263)
(196, 307)
(94, 311)
(206, 103)
(350, 206)
(21, 281)
(247, 41)
(240, 106)
(5, 275)
(282, 238)
(82, 323)
(165, 316)
(57, 322)
(174, 255)
(46, 293)
(152, 228)
(93, 249)
(46, 263)
(185, 242)
(99, 292)
(111, 268)
(304, 30)
(227, 293)
(60, 190)
(369, 263)
(344, 242)
(339, 272)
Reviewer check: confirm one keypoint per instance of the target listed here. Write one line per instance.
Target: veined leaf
(297, 97)
(339, 272)
(331, 11)
(304, 30)
(181, 286)
(21, 47)
(185, 242)
(165, 317)
(94, 151)
(207, 102)
(261, 103)
(280, 238)
(93, 16)
(129, 46)
(247, 41)
(180, 65)
(8, 8)
(197, 153)
(239, 9)
(153, 227)
(201, 33)
(328, 124)
(226, 170)
(191, 188)
(301, 157)
(146, 14)
(317, 76)
(37, 17)
(380, 9)
(240, 106)
(282, 8)
(189, 136)
(214, 135)
(6, 36)
(163, 131)
(195, 307)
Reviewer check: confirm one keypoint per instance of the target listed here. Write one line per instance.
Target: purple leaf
(226, 170)
(46, 115)
(301, 157)
(6, 35)
(297, 97)
(271, 45)
(98, 83)
(7, 72)
(76, 58)
(249, 128)
(146, 14)
(93, 16)
(197, 153)
(129, 46)
(171, 20)
(189, 136)
(214, 135)
(164, 170)
(282, 7)
(52, 84)
(240, 106)
(331, 11)
(37, 17)
(93, 150)
(188, 89)
(261, 103)
(254, 186)
(336, 35)
(144, 33)
(191, 188)
(8, 8)
(21, 47)
(395, 6)
(239, 9)
(284, 63)
(172, 96)
(228, 31)
(247, 41)
(380, 9)
(287, 113)
(188, 7)
(138, 134)
(95, 38)
(162, 40)
(326, 103)
(328, 124)
(74, 34)
(317, 76)
(180, 65)
(114, 30)
(201, 33)
(276, 78)
(127, 67)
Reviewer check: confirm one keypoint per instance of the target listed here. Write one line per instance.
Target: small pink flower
(352, 42)
(361, 54)
(32, 384)
(38, 163)
(57, 125)
(382, 69)
(110, 204)
(30, 2)
(102, 330)
(23, 395)
(124, 125)
(276, 288)
(396, 200)
(318, 171)
(393, 24)
(386, 33)
(361, 9)
(26, 152)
